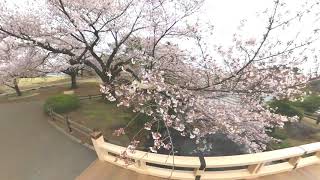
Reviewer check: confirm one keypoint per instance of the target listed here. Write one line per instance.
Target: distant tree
(20, 61)
(102, 31)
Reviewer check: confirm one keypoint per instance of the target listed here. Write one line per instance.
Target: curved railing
(223, 167)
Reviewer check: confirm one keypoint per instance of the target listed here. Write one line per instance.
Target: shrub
(62, 103)
(286, 108)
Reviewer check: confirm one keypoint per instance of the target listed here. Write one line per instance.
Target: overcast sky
(226, 15)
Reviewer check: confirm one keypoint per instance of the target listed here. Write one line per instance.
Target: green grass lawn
(86, 86)
(294, 135)
(25, 83)
(107, 117)
(33, 82)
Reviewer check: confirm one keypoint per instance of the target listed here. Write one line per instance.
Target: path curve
(31, 149)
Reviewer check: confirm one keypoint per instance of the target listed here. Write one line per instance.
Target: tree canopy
(135, 47)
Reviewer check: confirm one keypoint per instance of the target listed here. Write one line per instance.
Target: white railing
(222, 167)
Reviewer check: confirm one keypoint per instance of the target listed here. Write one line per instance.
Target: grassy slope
(307, 132)
(97, 114)
(26, 83)
(86, 86)
(314, 136)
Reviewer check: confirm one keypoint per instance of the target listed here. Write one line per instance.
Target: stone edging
(22, 97)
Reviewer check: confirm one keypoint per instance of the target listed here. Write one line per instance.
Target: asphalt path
(31, 149)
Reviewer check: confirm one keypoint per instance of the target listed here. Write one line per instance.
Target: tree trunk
(16, 87)
(73, 80)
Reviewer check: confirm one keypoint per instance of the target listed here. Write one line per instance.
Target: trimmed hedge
(62, 103)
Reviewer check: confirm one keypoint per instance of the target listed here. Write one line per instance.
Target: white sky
(226, 15)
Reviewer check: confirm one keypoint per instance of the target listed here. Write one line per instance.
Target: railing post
(97, 141)
(68, 124)
(199, 171)
(294, 161)
(51, 114)
(142, 165)
(255, 168)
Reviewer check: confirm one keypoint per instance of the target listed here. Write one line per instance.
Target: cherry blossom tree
(135, 47)
(202, 94)
(20, 61)
(101, 31)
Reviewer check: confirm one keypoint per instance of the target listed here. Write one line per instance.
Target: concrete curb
(22, 97)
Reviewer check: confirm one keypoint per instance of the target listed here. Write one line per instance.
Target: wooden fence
(90, 96)
(79, 131)
(222, 167)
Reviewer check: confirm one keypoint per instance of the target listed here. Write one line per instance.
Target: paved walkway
(99, 170)
(31, 149)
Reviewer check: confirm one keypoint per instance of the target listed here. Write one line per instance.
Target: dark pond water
(221, 146)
